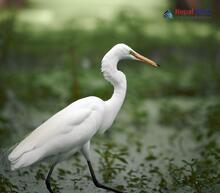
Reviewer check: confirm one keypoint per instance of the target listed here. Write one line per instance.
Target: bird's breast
(110, 113)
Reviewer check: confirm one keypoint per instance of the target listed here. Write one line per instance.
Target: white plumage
(68, 129)
(71, 129)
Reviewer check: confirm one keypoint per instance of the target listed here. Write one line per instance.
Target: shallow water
(140, 153)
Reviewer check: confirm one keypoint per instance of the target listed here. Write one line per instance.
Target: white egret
(71, 129)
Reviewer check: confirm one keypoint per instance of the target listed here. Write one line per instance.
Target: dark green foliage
(213, 119)
(40, 73)
(112, 161)
(6, 185)
(7, 34)
(172, 115)
(200, 175)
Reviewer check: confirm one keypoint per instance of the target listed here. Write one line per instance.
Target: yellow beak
(143, 59)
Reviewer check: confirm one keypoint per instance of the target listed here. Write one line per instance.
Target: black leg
(47, 181)
(96, 182)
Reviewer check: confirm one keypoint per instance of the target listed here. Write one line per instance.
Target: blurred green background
(166, 136)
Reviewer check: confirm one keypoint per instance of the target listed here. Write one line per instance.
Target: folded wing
(68, 129)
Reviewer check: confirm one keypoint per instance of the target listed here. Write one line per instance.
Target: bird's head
(122, 52)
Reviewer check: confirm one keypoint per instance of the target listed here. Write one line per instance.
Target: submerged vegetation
(165, 140)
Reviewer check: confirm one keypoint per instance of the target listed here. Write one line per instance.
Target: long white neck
(119, 82)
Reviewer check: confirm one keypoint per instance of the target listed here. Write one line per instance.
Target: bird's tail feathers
(26, 159)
